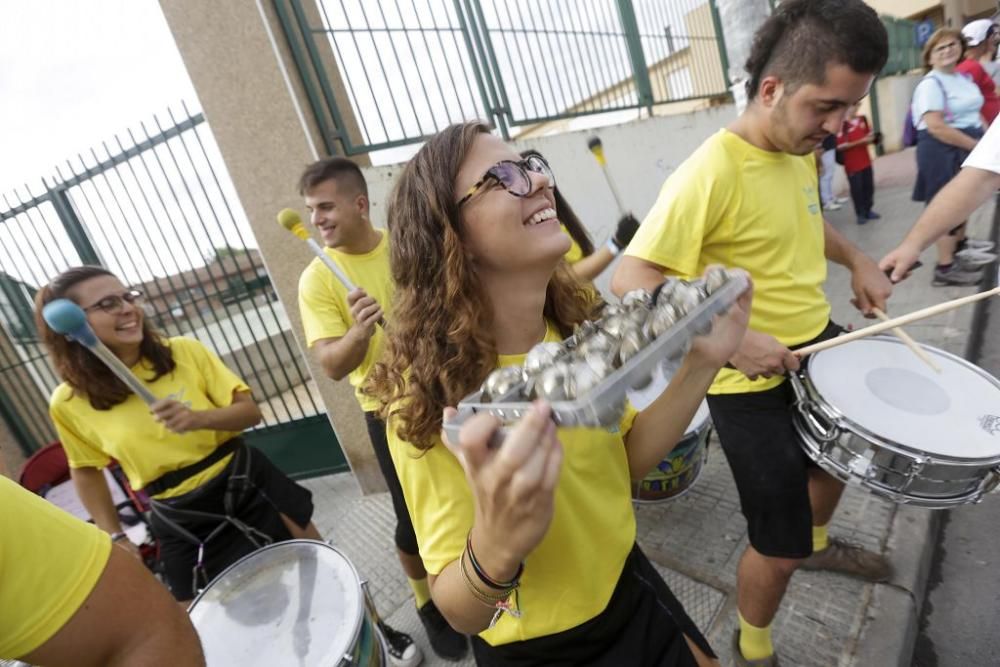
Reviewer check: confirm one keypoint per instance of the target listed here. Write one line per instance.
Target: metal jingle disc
(551, 382)
(502, 381)
(580, 379)
(637, 297)
(715, 278)
(633, 341)
(615, 325)
(686, 297)
(664, 317)
(542, 356)
(601, 342)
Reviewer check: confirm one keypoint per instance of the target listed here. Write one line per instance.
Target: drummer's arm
(872, 288)
(635, 273)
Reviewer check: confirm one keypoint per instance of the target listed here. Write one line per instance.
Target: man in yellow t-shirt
(67, 597)
(345, 331)
(748, 198)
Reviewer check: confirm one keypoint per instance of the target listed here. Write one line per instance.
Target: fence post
(720, 40)
(631, 29)
(67, 216)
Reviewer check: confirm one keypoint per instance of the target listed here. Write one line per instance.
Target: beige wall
(954, 12)
(265, 141)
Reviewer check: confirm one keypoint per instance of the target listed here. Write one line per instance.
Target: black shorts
(406, 538)
(642, 626)
(769, 465)
(269, 494)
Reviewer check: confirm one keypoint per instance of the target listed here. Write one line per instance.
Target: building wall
(949, 12)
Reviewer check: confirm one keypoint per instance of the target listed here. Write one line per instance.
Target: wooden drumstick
(908, 341)
(896, 322)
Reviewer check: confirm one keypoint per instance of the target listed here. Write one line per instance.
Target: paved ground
(696, 540)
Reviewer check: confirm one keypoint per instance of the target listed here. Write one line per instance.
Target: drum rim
(844, 422)
(288, 543)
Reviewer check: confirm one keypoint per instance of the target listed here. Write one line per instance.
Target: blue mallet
(66, 318)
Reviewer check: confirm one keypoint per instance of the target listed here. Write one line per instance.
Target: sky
(75, 72)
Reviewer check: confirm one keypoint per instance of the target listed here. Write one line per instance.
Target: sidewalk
(696, 540)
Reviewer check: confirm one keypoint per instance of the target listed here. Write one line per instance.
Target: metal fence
(156, 208)
(904, 52)
(380, 75)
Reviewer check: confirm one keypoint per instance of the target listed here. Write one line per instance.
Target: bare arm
(112, 628)
(340, 356)
(945, 133)
(592, 265)
(92, 487)
(634, 273)
(241, 414)
(871, 286)
(953, 204)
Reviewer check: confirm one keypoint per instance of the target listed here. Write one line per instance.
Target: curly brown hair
(80, 368)
(440, 343)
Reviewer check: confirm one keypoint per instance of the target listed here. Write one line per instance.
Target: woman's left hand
(176, 416)
(718, 346)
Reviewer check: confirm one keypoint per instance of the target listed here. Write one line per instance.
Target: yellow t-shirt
(324, 309)
(734, 204)
(50, 561)
(571, 574)
(128, 433)
(575, 252)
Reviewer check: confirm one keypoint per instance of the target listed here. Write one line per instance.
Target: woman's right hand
(513, 485)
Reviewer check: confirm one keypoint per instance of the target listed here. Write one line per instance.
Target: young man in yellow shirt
(748, 198)
(345, 331)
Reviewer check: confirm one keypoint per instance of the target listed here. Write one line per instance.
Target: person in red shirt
(852, 144)
(978, 35)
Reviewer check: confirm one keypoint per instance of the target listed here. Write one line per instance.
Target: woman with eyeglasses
(530, 546)
(946, 110)
(586, 261)
(214, 500)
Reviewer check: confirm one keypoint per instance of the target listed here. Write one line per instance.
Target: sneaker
(974, 259)
(740, 661)
(400, 647)
(841, 200)
(842, 556)
(954, 275)
(979, 244)
(872, 215)
(447, 642)
(832, 205)
(862, 220)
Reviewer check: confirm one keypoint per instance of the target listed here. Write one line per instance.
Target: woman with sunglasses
(210, 493)
(586, 261)
(531, 545)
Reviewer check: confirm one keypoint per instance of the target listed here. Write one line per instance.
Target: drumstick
(595, 147)
(908, 340)
(291, 221)
(896, 322)
(66, 318)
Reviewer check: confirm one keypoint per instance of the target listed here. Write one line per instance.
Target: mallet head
(595, 147)
(66, 318)
(292, 221)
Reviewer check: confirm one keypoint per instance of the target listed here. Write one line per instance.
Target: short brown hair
(338, 168)
(940, 35)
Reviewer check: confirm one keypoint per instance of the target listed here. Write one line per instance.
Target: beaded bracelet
(486, 579)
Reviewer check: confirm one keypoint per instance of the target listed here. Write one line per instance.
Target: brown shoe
(740, 661)
(842, 556)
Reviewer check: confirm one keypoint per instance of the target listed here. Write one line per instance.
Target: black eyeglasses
(112, 305)
(513, 176)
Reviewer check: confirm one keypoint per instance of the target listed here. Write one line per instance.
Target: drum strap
(238, 484)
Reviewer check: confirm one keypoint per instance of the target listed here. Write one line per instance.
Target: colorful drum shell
(290, 603)
(677, 473)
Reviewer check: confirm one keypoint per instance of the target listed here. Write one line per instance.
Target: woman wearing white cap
(981, 44)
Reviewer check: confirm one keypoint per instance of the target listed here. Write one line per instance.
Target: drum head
(291, 603)
(880, 385)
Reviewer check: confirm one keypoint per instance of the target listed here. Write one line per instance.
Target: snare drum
(873, 414)
(677, 473)
(298, 602)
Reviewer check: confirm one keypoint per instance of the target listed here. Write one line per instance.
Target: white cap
(977, 31)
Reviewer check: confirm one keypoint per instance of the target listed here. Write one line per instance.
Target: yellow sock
(821, 539)
(755, 643)
(421, 591)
